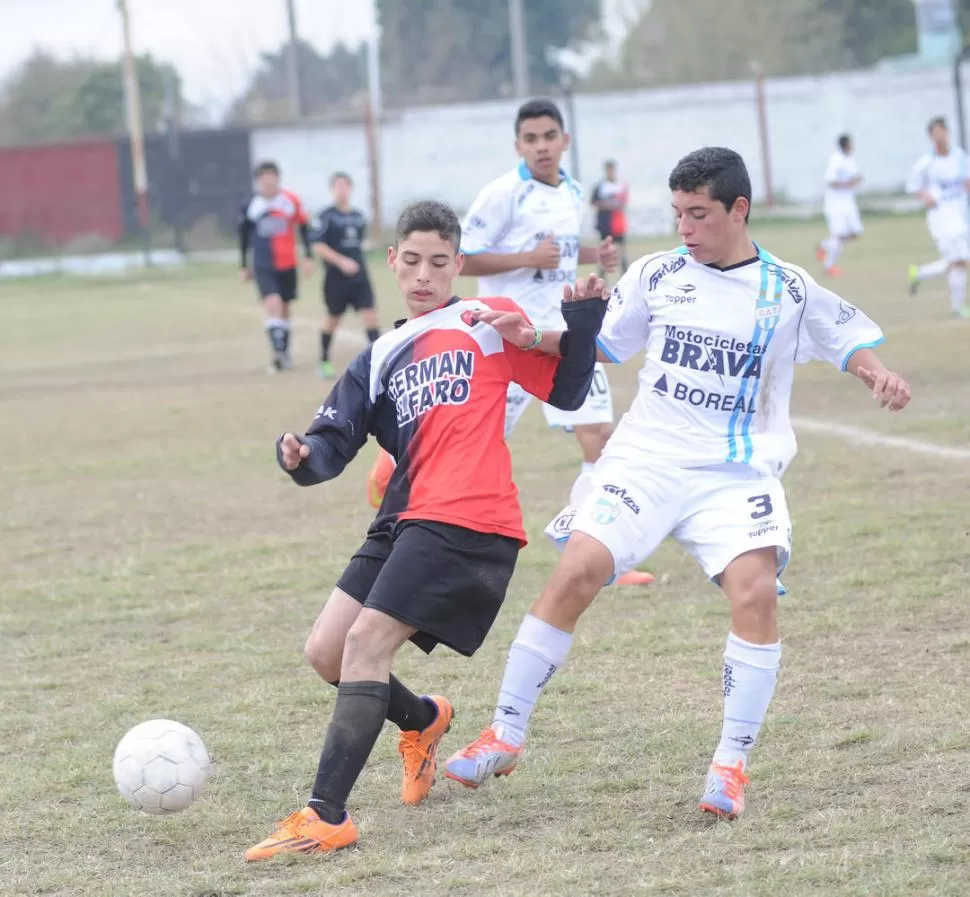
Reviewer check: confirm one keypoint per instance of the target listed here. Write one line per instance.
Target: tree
(461, 49)
(327, 82)
(691, 41)
(47, 99)
(874, 29)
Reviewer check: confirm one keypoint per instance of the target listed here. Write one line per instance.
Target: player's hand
(608, 254)
(309, 267)
(246, 275)
(292, 451)
(594, 287)
(547, 254)
(888, 389)
(349, 267)
(514, 327)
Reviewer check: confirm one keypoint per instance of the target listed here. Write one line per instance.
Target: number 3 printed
(763, 505)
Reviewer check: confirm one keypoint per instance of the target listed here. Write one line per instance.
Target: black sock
(405, 709)
(325, 340)
(285, 337)
(373, 334)
(277, 334)
(357, 720)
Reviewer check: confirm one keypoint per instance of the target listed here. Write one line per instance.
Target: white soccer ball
(160, 766)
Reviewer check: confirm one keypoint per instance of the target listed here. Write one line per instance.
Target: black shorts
(281, 282)
(339, 295)
(446, 581)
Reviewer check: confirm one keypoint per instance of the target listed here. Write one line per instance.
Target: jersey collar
(527, 175)
(451, 301)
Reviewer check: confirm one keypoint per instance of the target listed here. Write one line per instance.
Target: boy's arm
(888, 389)
(338, 431)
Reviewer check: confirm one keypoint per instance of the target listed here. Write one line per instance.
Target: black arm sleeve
(244, 224)
(577, 346)
(339, 429)
(305, 237)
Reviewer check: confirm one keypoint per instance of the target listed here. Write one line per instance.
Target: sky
(215, 44)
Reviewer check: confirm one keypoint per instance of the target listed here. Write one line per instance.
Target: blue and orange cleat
(379, 477)
(487, 756)
(724, 794)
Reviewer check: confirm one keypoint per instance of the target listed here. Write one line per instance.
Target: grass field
(157, 563)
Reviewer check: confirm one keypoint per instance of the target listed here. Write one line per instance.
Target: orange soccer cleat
(724, 794)
(419, 751)
(305, 832)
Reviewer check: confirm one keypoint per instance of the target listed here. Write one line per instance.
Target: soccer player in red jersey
(438, 558)
(268, 224)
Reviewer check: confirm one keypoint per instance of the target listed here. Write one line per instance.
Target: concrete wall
(449, 152)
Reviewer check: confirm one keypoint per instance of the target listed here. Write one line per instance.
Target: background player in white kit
(941, 180)
(698, 456)
(842, 179)
(521, 238)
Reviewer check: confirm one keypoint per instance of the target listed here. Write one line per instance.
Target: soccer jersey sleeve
(832, 329)
(488, 219)
(919, 177)
(320, 227)
(832, 170)
(624, 331)
(340, 427)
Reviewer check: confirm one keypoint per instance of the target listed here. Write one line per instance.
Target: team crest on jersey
(468, 318)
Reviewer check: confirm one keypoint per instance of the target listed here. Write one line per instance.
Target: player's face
(610, 172)
(708, 229)
(940, 138)
(425, 265)
(268, 183)
(541, 143)
(341, 190)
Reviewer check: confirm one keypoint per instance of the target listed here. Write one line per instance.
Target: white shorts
(953, 246)
(844, 222)
(716, 513)
(597, 409)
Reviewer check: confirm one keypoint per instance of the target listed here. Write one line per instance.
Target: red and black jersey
(269, 227)
(433, 393)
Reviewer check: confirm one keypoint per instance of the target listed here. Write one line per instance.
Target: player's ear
(565, 140)
(742, 208)
(459, 262)
(391, 256)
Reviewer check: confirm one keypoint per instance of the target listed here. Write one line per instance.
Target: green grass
(156, 563)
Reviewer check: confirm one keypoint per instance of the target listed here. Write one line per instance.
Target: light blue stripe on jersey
(854, 349)
(606, 352)
(760, 331)
(768, 325)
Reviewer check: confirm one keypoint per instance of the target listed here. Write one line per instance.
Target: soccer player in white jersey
(941, 180)
(521, 238)
(842, 179)
(698, 456)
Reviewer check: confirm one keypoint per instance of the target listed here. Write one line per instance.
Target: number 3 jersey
(515, 213)
(721, 346)
(433, 393)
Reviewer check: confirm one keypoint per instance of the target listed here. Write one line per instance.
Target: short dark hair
(267, 167)
(719, 169)
(538, 108)
(341, 176)
(429, 216)
(844, 141)
(939, 120)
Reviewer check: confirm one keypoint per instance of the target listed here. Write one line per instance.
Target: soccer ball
(160, 766)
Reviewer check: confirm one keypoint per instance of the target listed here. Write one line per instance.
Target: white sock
(537, 652)
(957, 278)
(932, 269)
(583, 485)
(833, 248)
(750, 672)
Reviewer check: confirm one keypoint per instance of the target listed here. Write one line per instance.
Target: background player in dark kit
(338, 238)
